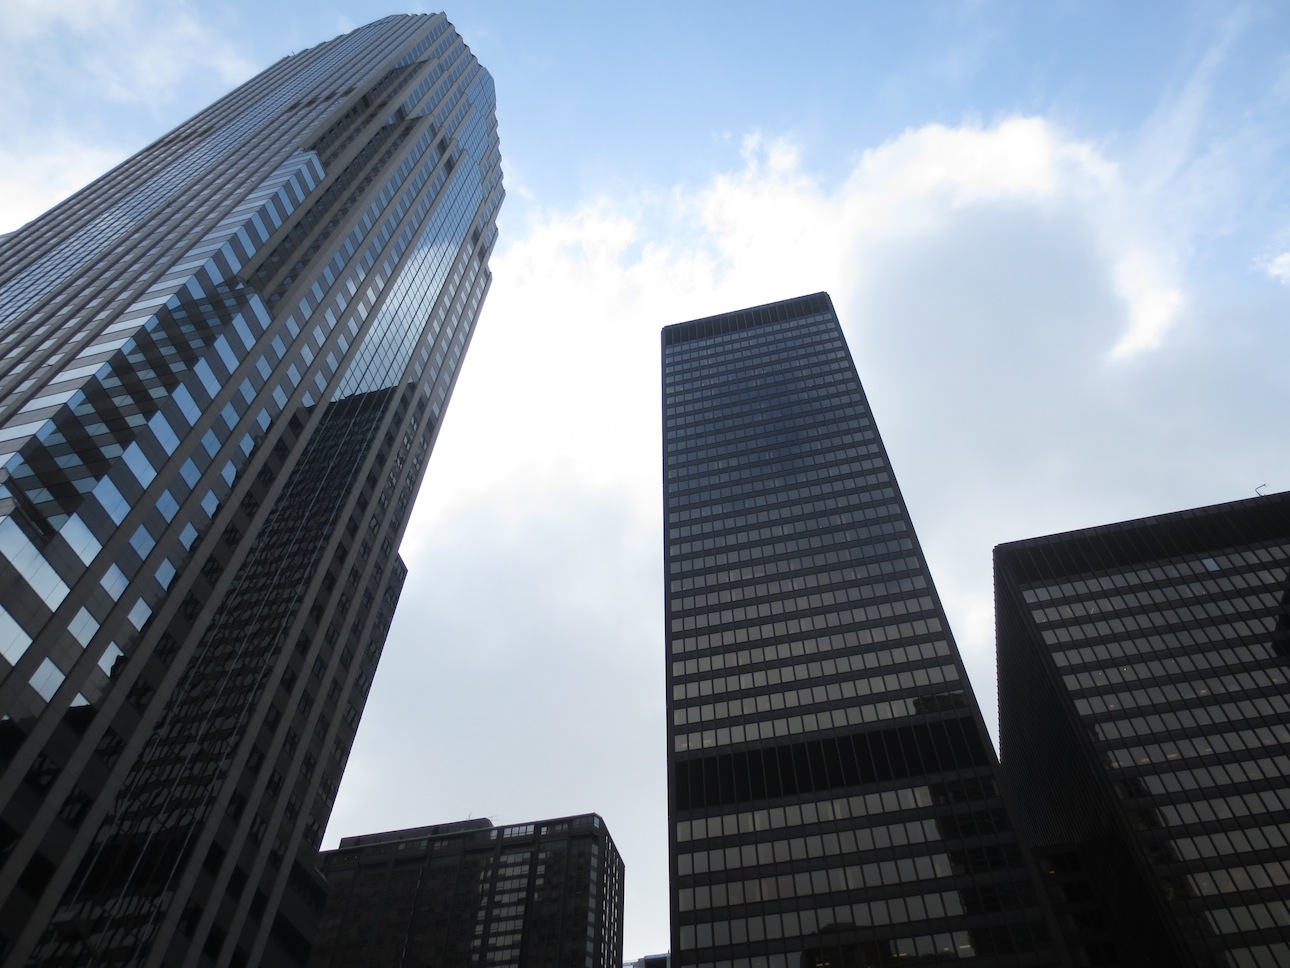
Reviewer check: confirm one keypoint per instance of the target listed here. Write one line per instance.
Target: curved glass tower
(222, 368)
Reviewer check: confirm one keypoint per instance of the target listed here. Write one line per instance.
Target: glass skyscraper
(223, 366)
(1144, 694)
(832, 789)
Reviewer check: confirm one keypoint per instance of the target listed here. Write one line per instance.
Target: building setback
(223, 366)
(1147, 660)
(547, 894)
(832, 789)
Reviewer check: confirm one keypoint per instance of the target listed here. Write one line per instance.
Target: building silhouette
(1143, 670)
(833, 794)
(547, 894)
(223, 366)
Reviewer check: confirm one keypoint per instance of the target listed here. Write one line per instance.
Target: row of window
(1198, 621)
(841, 549)
(1218, 808)
(1184, 665)
(1212, 606)
(779, 347)
(812, 695)
(916, 908)
(827, 530)
(812, 571)
(1273, 874)
(795, 815)
(811, 611)
(788, 502)
(719, 380)
(1114, 652)
(1163, 573)
(747, 421)
(771, 491)
(1250, 917)
(1218, 775)
(773, 428)
(1233, 742)
(715, 366)
(800, 331)
(850, 577)
(876, 635)
(872, 659)
(837, 392)
(1260, 956)
(1198, 717)
(832, 845)
(1243, 841)
(927, 947)
(810, 511)
(800, 647)
(757, 451)
(755, 470)
(814, 722)
(1181, 691)
(746, 514)
(831, 880)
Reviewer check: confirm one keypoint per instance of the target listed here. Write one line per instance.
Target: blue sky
(1058, 236)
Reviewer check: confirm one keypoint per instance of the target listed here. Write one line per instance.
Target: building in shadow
(547, 894)
(1144, 695)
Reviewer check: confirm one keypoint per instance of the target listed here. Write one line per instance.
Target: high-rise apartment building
(832, 789)
(1144, 692)
(547, 894)
(222, 368)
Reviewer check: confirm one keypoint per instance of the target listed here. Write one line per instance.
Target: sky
(1057, 235)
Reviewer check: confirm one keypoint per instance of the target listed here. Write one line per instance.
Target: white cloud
(131, 51)
(1278, 267)
(1153, 305)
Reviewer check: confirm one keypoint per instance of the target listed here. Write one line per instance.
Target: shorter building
(651, 961)
(1143, 702)
(543, 895)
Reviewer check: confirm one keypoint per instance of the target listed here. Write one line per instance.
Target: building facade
(1151, 660)
(832, 789)
(222, 368)
(547, 894)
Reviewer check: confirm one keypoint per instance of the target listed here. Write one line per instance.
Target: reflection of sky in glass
(389, 343)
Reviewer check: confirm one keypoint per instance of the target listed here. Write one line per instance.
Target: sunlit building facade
(223, 366)
(1144, 695)
(833, 797)
(547, 894)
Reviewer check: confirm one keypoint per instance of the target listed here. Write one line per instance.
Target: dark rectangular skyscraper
(832, 787)
(222, 369)
(1144, 695)
(547, 894)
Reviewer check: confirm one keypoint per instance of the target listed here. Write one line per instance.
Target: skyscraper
(222, 368)
(832, 788)
(1148, 659)
(547, 894)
